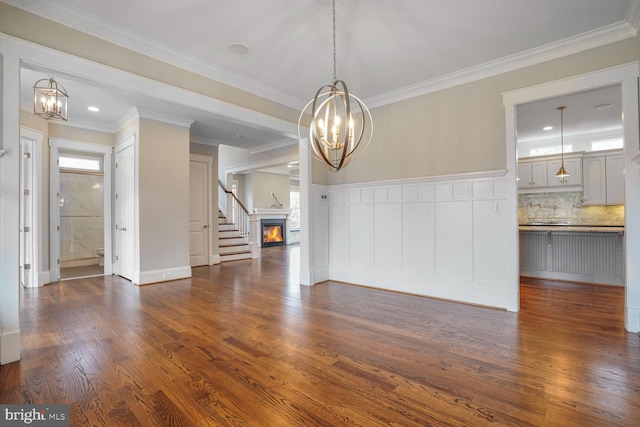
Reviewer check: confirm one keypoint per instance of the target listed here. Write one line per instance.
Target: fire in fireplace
(273, 232)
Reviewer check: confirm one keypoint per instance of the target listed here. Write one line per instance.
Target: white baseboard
(633, 319)
(163, 275)
(320, 274)
(9, 347)
(214, 259)
(43, 278)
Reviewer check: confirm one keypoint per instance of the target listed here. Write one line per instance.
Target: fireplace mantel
(268, 212)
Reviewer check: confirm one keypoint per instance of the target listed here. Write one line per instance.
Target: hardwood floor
(243, 344)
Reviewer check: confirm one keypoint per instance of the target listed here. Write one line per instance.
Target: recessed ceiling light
(239, 49)
(93, 109)
(547, 128)
(602, 106)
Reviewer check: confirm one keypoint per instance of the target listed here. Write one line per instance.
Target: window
(294, 218)
(542, 151)
(606, 144)
(79, 163)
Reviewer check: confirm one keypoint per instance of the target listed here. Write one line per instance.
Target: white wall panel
(418, 239)
(388, 236)
(339, 235)
(489, 244)
(454, 240)
(361, 236)
(443, 237)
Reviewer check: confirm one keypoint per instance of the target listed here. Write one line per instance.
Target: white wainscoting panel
(454, 240)
(319, 241)
(444, 237)
(388, 236)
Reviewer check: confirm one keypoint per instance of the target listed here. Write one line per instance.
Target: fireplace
(274, 232)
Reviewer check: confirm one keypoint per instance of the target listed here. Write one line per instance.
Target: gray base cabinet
(592, 257)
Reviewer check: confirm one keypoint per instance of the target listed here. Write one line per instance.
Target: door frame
(129, 141)
(36, 277)
(213, 259)
(56, 145)
(626, 76)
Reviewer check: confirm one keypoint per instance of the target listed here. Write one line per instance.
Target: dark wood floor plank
(242, 344)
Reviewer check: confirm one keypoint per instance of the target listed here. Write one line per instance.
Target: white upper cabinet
(595, 184)
(572, 165)
(604, 179)
(539, 173)
(615, 179)
(532, 174)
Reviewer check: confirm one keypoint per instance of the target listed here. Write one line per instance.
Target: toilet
(100, 253)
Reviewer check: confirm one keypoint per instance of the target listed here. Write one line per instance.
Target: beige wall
(462, 129)
(260, 185)
(83, 135)
(163, 195)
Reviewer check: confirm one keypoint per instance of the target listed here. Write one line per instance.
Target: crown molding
(273, 146)
(589, 40)
(74, 18)
(212, 142)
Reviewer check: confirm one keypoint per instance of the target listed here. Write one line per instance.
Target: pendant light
(341, 125)
(562, 172)
(50, 99)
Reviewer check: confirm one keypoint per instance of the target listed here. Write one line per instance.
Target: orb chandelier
(341, 126)
(50, 99)
(562, 172)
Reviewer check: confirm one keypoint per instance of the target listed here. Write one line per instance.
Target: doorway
(200, 207)
(625, 76)
(80, 210)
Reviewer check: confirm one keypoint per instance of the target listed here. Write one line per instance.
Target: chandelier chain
(334, 41)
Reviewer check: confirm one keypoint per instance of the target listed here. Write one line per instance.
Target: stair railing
(235, 211)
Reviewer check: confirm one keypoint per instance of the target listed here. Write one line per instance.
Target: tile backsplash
(566, 206)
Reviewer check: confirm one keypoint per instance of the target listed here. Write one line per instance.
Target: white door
(26, 213)
(124, 211)
(198, 213)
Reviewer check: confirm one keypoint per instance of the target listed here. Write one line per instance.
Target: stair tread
(235, 253)
(233, 244)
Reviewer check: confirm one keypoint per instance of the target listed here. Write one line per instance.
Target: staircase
(232, 243)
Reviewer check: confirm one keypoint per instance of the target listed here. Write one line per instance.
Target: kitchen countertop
(574, 228)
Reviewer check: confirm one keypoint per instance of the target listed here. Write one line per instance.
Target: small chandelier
(341, 125)
(50, 100)
(562, 172)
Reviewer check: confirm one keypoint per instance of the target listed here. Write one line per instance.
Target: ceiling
(282, 49)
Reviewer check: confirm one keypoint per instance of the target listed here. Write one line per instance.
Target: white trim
(43, 278)
(261, 164)
(435, 178)
(37, 237)
(161, 275)
(273, 146)
(214, 259)
(627, 76)
(9, 347)
(144, 113)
